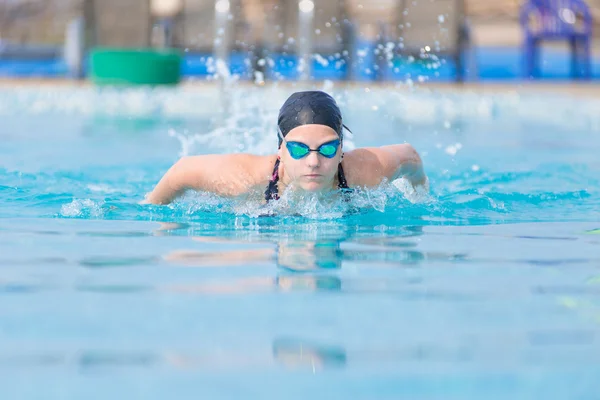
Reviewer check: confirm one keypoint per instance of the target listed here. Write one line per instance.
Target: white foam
(313, 206)
(77, 208)
(103, 188)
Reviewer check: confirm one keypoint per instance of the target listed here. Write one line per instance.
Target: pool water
(488, 287)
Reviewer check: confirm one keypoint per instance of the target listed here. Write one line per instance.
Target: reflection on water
(294, 353)
(307, 257)
(299, 256)
(82, 359)
(298, 353)
(110, 261)
(286, 352)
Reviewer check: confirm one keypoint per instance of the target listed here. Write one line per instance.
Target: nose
(312, 159)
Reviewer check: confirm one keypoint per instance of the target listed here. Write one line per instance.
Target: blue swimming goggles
(299, 150)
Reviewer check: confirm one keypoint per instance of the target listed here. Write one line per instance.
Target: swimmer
(309, 159)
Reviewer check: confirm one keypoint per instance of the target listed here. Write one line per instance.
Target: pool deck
(570, 88)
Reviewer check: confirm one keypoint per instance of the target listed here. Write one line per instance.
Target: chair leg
(460, 69)
(587, 59)
(573, 45)
(529, 51)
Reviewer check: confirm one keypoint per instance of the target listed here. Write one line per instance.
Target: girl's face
(315, 171)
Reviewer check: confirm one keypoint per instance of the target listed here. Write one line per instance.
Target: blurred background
(270, 40)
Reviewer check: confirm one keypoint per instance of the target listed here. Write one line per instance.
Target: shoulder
(247, 163)
(260, 168)
(368, 166)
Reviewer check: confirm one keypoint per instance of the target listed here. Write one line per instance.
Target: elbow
(413, 158)
(417, 175)
(411, 166)
(411, 154)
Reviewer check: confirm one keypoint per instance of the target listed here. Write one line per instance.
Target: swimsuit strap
(272, 193)
(342, 184)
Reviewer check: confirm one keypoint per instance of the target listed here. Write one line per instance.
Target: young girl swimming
(311, 129)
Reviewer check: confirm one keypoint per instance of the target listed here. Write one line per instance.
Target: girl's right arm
(222, 174)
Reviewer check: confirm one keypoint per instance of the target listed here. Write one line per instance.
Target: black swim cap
(312, 107)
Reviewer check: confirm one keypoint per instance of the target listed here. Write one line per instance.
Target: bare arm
(369, 166)
(405, 163)
(226, 175)
(173, 183)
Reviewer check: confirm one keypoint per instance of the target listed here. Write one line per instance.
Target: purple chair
(553, 20)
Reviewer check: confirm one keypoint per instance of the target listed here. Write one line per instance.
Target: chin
(313, 186)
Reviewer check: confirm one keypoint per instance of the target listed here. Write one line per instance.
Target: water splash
(82, 208)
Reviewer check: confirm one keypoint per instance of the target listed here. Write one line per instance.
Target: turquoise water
(486, 288)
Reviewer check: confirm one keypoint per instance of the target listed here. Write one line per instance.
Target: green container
(135, 66)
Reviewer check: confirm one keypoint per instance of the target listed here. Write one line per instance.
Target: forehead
(312, 133)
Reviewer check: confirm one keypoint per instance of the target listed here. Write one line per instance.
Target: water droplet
(451, 150)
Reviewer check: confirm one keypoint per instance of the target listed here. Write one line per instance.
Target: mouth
(313, 176)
